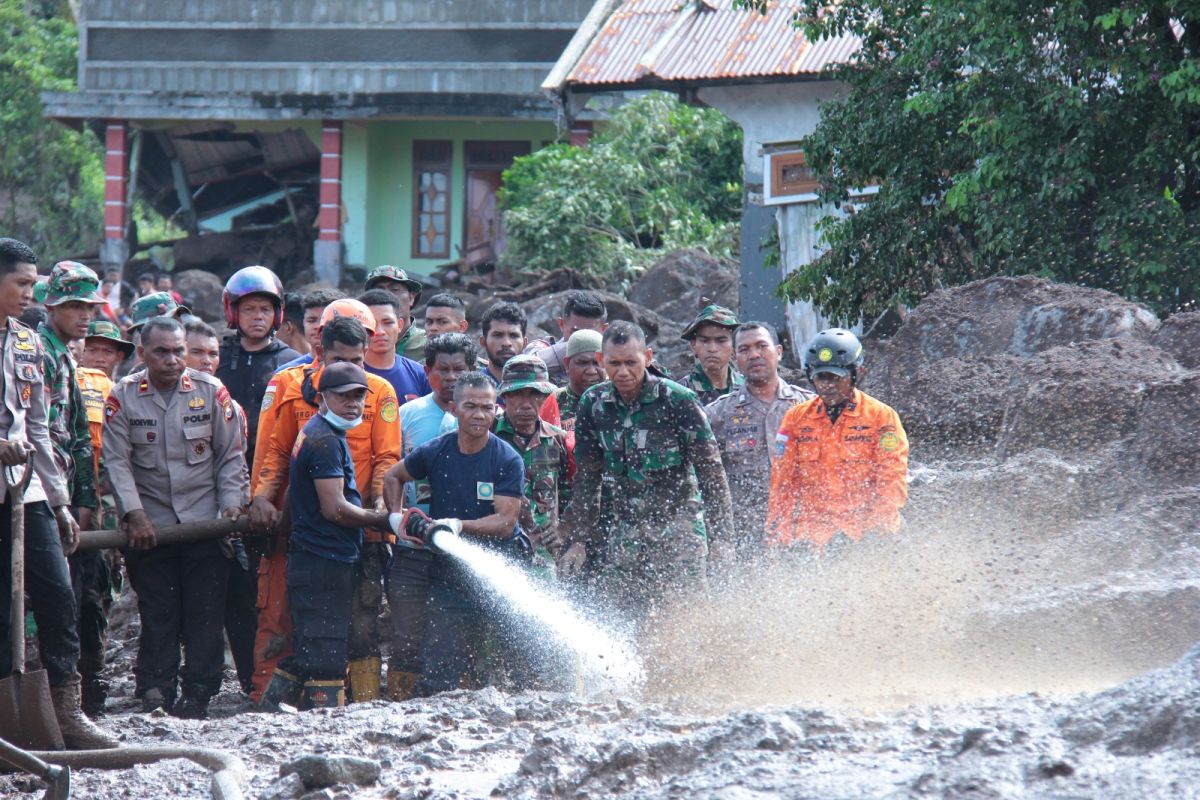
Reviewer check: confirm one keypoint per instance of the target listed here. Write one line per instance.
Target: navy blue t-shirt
(406, 376)
(463, 486)
(322, 452)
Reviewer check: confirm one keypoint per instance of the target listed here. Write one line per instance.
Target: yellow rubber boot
(364, 678)
(324, 694)
(400, 684)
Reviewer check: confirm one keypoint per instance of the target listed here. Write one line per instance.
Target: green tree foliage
(51, 178)
(662, 175)
(1059, 139)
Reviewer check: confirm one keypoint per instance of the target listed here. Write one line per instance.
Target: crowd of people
(340, 433)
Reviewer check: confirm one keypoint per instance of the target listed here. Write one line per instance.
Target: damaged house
(298, 133)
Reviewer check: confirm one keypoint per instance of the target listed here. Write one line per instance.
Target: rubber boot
(283, 688)
(364, 678)
(400, 684)
(324, 694)
(78, 732)
(193, 704)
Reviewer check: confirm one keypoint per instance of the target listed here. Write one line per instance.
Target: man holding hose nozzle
(478, 479)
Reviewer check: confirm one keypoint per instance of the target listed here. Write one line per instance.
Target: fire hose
(228, 771)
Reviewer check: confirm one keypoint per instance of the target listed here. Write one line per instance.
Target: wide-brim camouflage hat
(155, 304)
(389, 273)
(525, 372)
(72, 282)
(104, 329)
(711, 315)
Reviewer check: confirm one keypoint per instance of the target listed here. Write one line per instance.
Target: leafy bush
(51, 178)
(661, 176)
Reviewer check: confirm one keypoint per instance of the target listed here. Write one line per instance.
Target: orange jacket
(848, 476)
(374, 445)
(95, 386)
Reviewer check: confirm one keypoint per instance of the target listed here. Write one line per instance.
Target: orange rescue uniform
(849, 476)
(374, 448)
(95, 386)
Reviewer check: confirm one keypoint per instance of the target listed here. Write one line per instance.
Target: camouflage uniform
(546, 458)
(67, 416)
(660, 461)
(412, 343)
(568, 406)
(745, 428)
(697, 380)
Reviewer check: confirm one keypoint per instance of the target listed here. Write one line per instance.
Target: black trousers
(365, 631)
(320, 593)
(241, 609)
(91, 580)
(455, 631)
(48, 585)
(408, 582)
(181, 600)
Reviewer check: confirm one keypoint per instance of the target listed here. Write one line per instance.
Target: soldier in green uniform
(647, 439)
(408, 291)
(584, 370)
(71, 296)
(710, 336)
(525, 385)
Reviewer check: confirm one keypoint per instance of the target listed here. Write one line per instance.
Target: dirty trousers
(273, 637)
(181, 601)
(456, 617)
(48, 585)
(407, 585)
(91, 581)
(365, 629)
(320, 595)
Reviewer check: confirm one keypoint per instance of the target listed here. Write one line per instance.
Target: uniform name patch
(484, 490)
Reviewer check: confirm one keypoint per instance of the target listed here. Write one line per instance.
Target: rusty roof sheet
(661, 41)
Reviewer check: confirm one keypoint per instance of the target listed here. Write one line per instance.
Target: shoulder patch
(111, 406)
(268, 397)
(781, 440)
(889, 441)
(388, 412)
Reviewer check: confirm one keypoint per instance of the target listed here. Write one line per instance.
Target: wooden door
(485, 162)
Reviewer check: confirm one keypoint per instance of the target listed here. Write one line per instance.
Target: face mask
(341, 423)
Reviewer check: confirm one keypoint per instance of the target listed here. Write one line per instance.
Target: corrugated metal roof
(650, 41)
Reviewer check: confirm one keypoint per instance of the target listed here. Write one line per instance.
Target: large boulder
(1179, 335)
(201, 291)
(685, 281)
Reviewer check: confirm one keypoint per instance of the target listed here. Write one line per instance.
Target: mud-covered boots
(78, 732)
(324, 694)
(283, 688)
(400, 684)
(364, 678)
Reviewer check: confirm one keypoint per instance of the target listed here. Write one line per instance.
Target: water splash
(607, 664)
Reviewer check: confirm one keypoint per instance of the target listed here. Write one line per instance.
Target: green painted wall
(377, 189)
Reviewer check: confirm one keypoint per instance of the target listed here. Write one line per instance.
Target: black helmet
(835, 350)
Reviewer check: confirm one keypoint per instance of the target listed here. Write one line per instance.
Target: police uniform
(658, 457)
(179, 458)
(745, 428)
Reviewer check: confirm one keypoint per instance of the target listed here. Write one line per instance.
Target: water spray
(606, 664)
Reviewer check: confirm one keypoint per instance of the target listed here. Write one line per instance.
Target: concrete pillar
(114, 251)
(581, 133)
(327, 250)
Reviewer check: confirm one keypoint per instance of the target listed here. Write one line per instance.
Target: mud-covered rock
(683, 282)
(1179, 335)
(201, 291)
(288, 787)
(318, 771)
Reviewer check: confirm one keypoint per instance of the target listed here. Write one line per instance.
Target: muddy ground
(1029, 635)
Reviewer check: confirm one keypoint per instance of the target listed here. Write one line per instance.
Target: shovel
(57, 777)
(26, 711)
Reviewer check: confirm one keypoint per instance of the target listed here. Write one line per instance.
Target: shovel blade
(27, 712)
(59, 787)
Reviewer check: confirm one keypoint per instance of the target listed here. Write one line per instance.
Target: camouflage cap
(390, 273)
(525, 372)
(155, 304)
(39, 289)
(712, 315)
(71, 281)
(104, 329)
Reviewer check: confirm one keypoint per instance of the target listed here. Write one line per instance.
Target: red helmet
(248, 281)
(348, 307)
